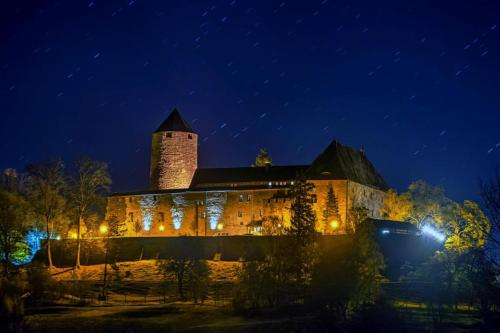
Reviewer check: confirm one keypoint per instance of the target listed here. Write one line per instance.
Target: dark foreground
(185, 317)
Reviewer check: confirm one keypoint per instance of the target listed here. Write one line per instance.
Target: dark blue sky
(417, 83)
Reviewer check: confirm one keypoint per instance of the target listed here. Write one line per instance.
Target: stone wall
(174, 159)
(230, 212)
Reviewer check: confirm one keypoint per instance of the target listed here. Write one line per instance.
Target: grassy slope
(146, 270)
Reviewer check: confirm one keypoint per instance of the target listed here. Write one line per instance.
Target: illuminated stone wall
(174, 159)
(229, 212)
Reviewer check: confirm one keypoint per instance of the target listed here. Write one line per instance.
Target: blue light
(427, 229)
(385, 231)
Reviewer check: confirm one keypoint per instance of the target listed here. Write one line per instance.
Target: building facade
(186, 200)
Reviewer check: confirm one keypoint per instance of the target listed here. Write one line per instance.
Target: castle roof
(342, 162)
(215, 176)
(174, 123)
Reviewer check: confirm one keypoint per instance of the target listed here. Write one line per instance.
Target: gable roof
(266, 174)
(175, 123)
(342, 162)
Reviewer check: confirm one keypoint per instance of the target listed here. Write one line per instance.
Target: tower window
(169, 135)
(162, 216)
(190, 136)
(249, 197)
(240, 213)
(131, 217)
(261, 212)
(241, 198)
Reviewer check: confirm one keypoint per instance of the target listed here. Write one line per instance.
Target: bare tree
(87, 187)
(46, 197)
(490, 192)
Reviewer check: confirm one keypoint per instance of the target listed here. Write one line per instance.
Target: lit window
(261, 212)
(270, 184)
(291, 182)
(241, 197)
(249, 197)
(203, 215)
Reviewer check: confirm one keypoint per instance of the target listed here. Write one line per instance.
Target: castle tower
(174, 154)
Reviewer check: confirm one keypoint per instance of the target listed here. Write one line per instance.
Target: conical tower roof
(174, 123)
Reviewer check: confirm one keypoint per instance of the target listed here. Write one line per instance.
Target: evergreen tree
(263, 159)
(331, 217)
(303, 217)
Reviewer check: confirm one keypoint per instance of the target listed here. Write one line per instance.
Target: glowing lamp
(161, 227)
(58, 237)
(103, 229)
(73, 235)
(334, 224)
(220, 226)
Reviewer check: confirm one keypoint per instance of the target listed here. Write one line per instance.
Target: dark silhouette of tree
(490, 193)
(191, 276)
(303, 217)
(347, 278)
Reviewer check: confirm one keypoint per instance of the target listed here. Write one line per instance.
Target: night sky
(416, 83)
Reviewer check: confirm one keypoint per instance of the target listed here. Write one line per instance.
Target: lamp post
(103, 229)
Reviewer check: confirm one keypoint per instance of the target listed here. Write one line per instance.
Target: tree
(272, 225)
(428, 201)
(347, 278)
(331, 216)
(355, 216)
(191, 276)
(86, 189)
(272, 281)
(303, 217)
(46, 197)
(116, 216)
(263, 159)
(13, 225)
(396, 207)
(198, 280)
(490, 193)
(468, 227)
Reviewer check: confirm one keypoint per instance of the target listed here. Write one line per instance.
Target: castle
(186, 200)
